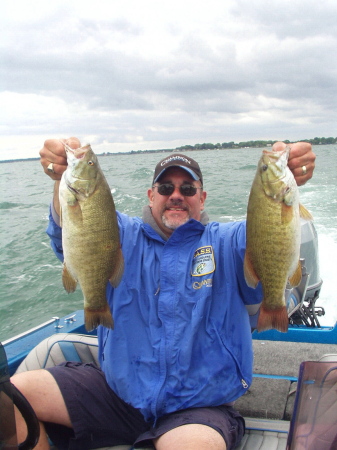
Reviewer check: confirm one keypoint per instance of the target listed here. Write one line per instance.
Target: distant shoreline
(198, 147)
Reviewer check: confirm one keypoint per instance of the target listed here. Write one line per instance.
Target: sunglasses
(187, 190)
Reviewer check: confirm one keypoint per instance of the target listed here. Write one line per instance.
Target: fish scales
(90, 236)
(276, 244)
(273, 237)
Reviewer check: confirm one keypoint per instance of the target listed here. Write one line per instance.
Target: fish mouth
(277, 154)
(75, 156)
(78, 153)
(280, 157)
(279, 160)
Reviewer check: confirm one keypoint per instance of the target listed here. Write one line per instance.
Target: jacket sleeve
(54, 231)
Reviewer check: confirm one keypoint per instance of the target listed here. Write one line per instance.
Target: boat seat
(268, 434)
(59, 348)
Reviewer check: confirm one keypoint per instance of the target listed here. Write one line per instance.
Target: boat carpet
(276, 367)
(284, 358)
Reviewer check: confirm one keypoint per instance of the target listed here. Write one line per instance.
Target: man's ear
(150, 194)
(202, 200)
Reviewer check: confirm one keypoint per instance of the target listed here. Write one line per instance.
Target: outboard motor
(302, 298)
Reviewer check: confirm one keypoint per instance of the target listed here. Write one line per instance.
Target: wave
(246, 167)
(10, 205)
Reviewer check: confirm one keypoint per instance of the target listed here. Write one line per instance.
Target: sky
(147, 74)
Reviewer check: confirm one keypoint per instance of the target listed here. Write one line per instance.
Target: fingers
(53, 156)
(301, 160)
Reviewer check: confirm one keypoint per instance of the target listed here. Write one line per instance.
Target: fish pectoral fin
(304, 213)
(118, 270)
(273, 318)
(69, 282)
(287, 213)
(250, 275)
(296, 277)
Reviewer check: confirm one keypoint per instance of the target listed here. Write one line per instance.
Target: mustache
(176, 203)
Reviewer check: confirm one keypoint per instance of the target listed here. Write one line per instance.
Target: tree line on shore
(232, 144)
(256, 144)
(208, 146)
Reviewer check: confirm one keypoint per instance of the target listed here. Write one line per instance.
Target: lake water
(31, 289)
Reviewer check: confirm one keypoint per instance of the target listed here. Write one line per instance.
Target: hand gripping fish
(90, 236)
(274, 236)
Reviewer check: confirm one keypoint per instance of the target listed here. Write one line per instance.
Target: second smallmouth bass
(90, 236)
(274, 236)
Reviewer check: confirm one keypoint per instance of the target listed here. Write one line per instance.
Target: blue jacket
(182, 336)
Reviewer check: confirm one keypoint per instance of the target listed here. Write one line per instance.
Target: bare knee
(191, 436)
(42, 392)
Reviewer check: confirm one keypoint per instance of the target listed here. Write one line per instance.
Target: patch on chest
(203, 261)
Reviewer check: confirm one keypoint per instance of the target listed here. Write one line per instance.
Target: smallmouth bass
(90, 235)
(274, 236)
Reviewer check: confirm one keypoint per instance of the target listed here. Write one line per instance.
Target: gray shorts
(100, 418)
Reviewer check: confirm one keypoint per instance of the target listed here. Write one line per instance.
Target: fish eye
(264, 167)
(91, 163)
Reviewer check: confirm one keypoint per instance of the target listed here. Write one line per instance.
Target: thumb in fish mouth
(278, 146)
(72, 142)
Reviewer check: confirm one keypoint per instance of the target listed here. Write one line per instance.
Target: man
(180, 353)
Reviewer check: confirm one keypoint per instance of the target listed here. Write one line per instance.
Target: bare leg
(191, 437)
(41, 390)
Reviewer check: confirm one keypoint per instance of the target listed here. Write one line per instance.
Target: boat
(295, 373)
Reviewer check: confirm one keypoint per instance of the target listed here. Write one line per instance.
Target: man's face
(171, 211)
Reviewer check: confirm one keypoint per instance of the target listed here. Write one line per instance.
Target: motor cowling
(301, 299)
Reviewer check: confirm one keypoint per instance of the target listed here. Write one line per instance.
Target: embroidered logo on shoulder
(203, 261)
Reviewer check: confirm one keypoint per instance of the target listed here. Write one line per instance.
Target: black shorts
(100, 418)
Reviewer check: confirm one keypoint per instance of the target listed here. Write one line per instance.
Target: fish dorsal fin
(304, 213)
(296, 277)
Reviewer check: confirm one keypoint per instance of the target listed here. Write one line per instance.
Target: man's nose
(176, 193)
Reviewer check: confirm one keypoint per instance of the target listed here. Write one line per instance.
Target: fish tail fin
(119, 269)
(96, 317)
(273, 318)
(304, 213)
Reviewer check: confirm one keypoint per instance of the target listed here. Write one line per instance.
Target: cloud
(144, 74)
